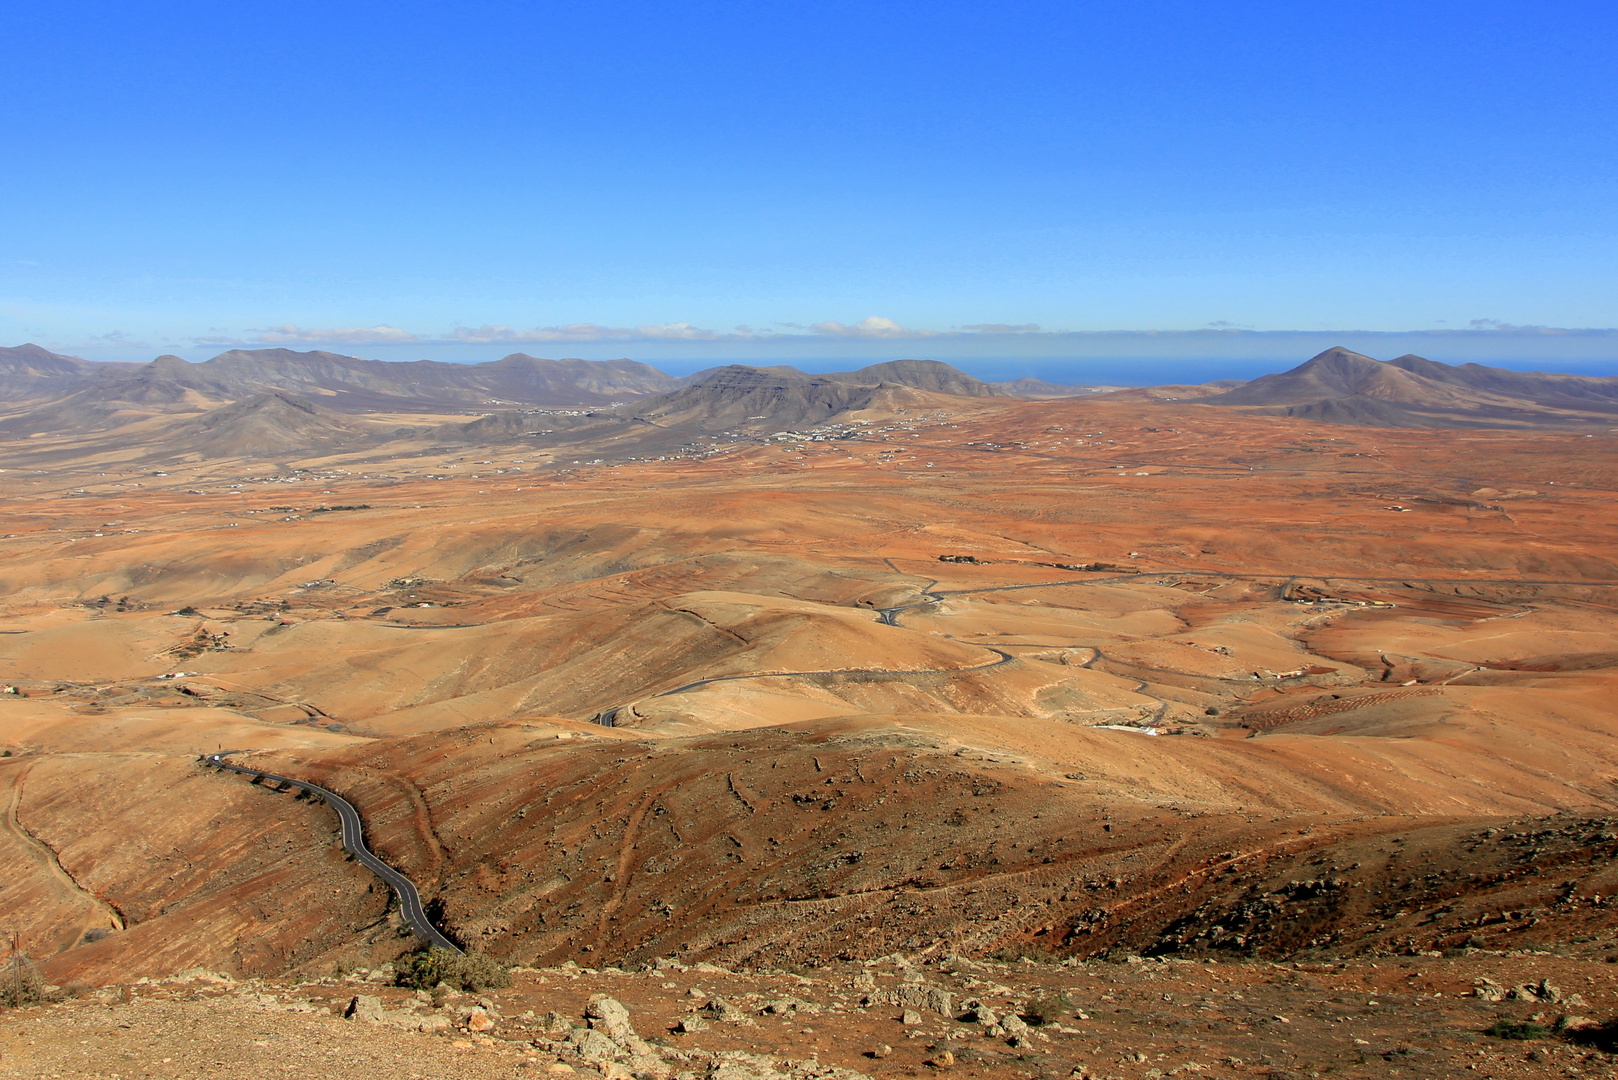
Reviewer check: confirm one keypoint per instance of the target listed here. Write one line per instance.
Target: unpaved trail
(98, 913)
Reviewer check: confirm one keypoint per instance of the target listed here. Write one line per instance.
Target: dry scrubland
(1380, 664)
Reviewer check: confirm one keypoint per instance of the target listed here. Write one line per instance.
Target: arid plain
(1075, 679)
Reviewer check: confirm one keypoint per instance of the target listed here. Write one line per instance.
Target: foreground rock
(1141, 1020)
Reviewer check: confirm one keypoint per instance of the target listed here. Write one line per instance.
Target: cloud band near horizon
(872, 328)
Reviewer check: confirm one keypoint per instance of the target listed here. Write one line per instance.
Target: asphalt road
(354, 844)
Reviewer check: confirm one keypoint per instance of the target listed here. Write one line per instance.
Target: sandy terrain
(1082, 678)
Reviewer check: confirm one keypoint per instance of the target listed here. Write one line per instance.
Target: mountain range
(353, 384)
(348, 383)
(1343, 387)
(270, 401)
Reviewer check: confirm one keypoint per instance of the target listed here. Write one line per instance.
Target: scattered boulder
(739, 1068)
(609, 1017)
(1012, 1028)
(724, 1011)
(364, 1007)
(368, 1007)
(976, 1012)
(592, 1045)
(910, 1018)
(1544, 990)
(478, 1021)
(738, 1065)
(914, 995)
(555, 1023)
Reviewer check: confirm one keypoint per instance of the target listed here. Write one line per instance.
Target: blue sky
(1013, 182)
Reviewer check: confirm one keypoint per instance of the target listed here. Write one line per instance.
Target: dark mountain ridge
(1345, 387)
(353, 384)
(52, 392)
(1546, 388)
(764, 399)
(743, 399)
(31, 371)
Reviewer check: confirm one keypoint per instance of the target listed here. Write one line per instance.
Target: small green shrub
(422, 970)
(1517, 1029)
(474, 971)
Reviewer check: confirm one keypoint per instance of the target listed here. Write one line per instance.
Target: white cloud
(1514, 328)
(484, 334)
(679, 331)
(873, 327)
(287, 334)
(117, 339)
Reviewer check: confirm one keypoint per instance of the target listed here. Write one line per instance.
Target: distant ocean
(1123, 370)
(1122, 358)
(1144, 358)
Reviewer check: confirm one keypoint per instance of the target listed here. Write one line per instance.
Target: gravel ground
(1139, 1020)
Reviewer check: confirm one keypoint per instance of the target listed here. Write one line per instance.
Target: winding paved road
(354, 844)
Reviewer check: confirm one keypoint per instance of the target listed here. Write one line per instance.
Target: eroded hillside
(1070, 676)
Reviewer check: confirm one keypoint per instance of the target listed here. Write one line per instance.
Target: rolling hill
(261, 425)
(930, 375)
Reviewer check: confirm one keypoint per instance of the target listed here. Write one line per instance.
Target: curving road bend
(354, 844)
(609, 717)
